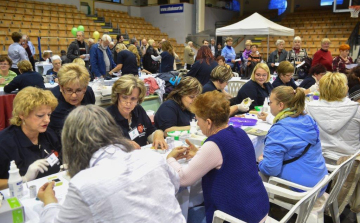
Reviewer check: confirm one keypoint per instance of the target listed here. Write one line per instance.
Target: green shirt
(8, 78)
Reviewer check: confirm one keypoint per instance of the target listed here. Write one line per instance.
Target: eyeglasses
(289, 75)
(261, 75)
(4, 64)
(126, 99)
(71, 92)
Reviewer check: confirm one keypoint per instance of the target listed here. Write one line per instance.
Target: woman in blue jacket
(290, 136)
(228, 52)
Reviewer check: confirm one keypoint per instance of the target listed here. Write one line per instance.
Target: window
(280, 5)
(330, 2)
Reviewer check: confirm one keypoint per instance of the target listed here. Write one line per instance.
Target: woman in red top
(343, 59)
(323, 56)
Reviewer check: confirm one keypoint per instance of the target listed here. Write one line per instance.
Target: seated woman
(293, 135)
(219, 78)
(174, 114)
(257, 88)
(221, 62)
(72, 91)
(204, 64)
(226, 153)
(126, 61)
(339, 63)
(28, 140)
(128, 92)
(337, 116)
(253, 59)
(285, 72)
(108, 182)
(315, 74)
(27, 78)
(167, 57)
(6, 75)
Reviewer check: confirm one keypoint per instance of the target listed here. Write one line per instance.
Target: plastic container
(238, 122)
(175, 134)
(258, 108)
(316, 97)
(15, 181)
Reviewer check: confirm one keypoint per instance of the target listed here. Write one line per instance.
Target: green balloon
(81, 28)
(74, 31)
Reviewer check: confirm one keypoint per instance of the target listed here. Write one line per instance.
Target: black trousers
(15, 70)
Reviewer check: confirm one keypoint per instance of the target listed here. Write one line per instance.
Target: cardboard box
(12, 211)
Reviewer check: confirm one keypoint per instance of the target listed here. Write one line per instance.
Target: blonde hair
(24, 66)
(285, 67)
(46, 54)
(72, 72)
(79, 61)
(125, 85)
(325, 40)
(133, 49)
(120, 47)
(263, 66)
(333, 86)
(151, 42)
(221, 74)
(279, 41)
(29, 99)
(293, 99)
(248, 43)
(228, 39)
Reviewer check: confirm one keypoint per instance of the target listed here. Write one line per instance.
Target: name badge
(133, 133)
(52, 159)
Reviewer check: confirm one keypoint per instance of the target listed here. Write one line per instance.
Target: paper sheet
(238, 60)
(87, 57)
(277, 64)
(300, 64)
(350, 66)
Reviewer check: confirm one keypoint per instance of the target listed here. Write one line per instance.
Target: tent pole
(267, 56)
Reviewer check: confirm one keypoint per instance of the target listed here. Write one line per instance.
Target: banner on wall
(176, 8)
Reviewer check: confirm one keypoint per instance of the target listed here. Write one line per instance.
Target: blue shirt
(278, 82)
(229, 54)
(15, 145)
(201, 70)
(128, 60)
(140, 120)
(58, 116)
(170, 114)
(17, 53)
(167, 62)
(30, 78)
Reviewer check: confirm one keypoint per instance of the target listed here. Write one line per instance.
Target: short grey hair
(190, 42)
(106, 37)
(86, 130)
(55, 57)
(297, 38)
(279, 41)
(91, 40)
(82, 32)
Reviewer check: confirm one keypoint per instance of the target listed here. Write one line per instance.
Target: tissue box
(12, 211)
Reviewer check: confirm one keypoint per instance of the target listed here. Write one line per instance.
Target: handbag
(298, 157)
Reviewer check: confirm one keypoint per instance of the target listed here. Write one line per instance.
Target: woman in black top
(285, 72)
(315, 74)
(28, 140)
(258, 87)
(127, 94)
(148, 63)
(126, 61)
(167, 57)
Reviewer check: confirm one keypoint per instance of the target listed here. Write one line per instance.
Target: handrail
(353, 38)
(238, 41)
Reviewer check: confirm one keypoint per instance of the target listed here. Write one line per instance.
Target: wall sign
(176, 8)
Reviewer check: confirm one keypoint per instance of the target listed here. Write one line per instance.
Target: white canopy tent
(255, 24)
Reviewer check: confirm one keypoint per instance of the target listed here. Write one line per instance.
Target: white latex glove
(314, 88)
(243, 108)
(35, 168)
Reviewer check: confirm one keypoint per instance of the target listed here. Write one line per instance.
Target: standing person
(245, 56)
(119, 39)
(226, 153)
(6, 75)
(203, 66)
(27, 78)
(101, 58)
(63, 57)
(212, 46)
(91, 42)
(218, 50)
(78, 48)
(339, 63)
(323, 56)
(133, 49)
(126, 61)
(112, 48)
(277, 56)
(16, 52)
(296, 56)
(285, 72)
(228, 52)
(189, 55)
(148, 63)
(205, 42)
(166, 56)
(144, 46)
(253, 59)
(30, 49)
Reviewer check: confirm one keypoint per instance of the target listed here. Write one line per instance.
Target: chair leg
(334, 211)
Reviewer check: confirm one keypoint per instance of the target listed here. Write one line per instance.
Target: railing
(353, 38)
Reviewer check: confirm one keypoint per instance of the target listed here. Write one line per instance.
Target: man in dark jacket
(101, 57)
(78, 48)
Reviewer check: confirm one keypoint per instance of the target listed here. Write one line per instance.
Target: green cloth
(8, 78)
(283, 114)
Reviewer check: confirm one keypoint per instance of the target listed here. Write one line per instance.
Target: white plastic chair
(235, 84)
(325, 201)
(302, 207)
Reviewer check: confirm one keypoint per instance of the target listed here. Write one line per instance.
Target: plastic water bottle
(139, 72)
(15, 181)
(51, 79)
(193, 125)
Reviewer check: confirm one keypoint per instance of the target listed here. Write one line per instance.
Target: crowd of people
(91, 140)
